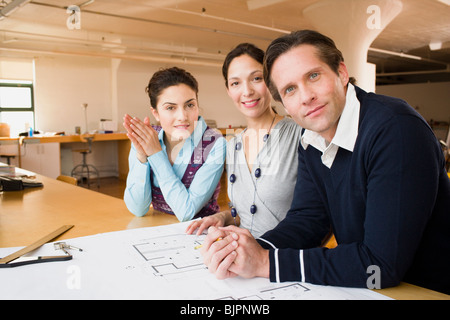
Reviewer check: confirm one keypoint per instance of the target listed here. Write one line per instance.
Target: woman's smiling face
(177, 111)
(246, 86)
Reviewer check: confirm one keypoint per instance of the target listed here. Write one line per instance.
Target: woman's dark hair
(169, 77)
(326, 50)
(242, 49)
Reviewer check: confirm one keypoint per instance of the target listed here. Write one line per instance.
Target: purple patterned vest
(199, 155)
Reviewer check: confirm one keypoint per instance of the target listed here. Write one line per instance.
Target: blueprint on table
(146, 263)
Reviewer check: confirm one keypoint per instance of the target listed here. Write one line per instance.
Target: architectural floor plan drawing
(148, 263)
(172, 256)
(290, 291)
(298, 291)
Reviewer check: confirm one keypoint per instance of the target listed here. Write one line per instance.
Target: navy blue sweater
(387, 203)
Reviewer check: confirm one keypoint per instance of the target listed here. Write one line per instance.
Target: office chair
(84, 170)
(67, 179)
(8, 157)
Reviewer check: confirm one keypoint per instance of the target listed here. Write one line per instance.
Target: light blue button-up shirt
(185, 203)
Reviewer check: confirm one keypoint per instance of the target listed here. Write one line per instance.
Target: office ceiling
(201, 32)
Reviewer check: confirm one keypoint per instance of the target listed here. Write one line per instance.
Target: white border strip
(302, 267)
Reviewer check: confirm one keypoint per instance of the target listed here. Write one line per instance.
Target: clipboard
(15, 259)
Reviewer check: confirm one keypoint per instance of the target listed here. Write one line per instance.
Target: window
(17, 105)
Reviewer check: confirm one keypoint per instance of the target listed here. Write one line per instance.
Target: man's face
(312, 93)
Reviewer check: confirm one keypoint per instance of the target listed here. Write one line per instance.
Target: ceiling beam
(112, 55)
(411, 73)
(257, 4)
(11, 7)
(166, 23)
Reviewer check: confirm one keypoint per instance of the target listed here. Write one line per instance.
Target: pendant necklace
(257, 173)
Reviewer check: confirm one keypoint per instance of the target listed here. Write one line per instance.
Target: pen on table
(201, 245)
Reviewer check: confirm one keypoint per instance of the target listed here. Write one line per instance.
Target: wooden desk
(26, 216)
(124, 145)
(69, 138)
(406, 291)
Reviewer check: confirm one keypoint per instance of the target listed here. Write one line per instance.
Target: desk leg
(19, 155)
(123, 150)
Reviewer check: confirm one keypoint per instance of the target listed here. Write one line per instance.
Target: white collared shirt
(346, 132)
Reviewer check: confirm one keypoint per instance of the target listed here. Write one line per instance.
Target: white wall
(62, 84)
(133, 77)
(16, 69)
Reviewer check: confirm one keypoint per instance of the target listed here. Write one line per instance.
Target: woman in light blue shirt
(176, 167)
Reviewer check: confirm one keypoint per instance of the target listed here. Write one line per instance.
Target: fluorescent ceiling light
(435, 45)
(4, 81)
(86, 3)
(256, 4)
(447, 2)
(12, 6)
(399, 54)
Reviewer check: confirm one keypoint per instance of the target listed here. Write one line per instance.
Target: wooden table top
(26, 216)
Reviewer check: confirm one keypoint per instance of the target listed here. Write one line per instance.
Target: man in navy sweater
(370, 170)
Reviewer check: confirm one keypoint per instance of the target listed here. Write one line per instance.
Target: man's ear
(343, 74)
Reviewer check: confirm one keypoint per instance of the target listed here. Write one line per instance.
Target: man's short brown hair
(326, 49)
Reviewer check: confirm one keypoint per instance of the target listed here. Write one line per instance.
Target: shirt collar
(347, 129)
